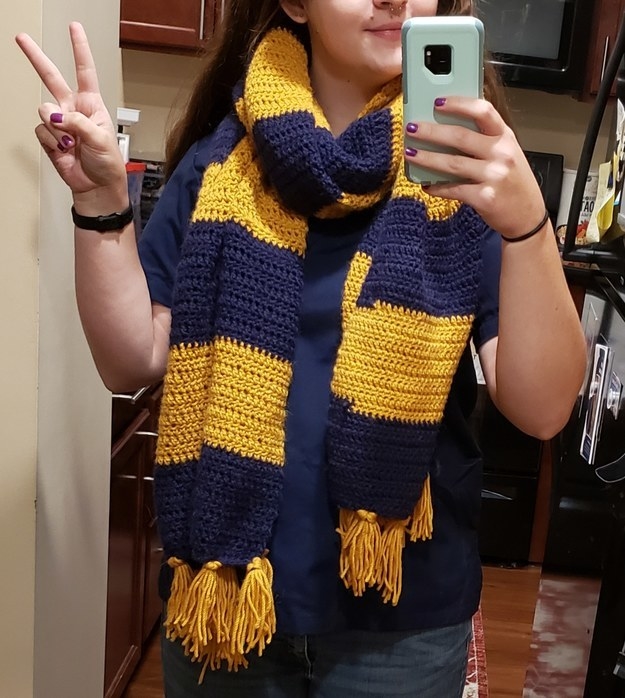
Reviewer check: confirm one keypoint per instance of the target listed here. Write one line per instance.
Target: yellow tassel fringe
(390, 569)
(422, 525)
(216, 619)
(360, 547)
(372, 547)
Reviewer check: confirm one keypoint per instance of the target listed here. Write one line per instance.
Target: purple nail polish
(440, 101)
(67, 141)
(60, 147)
(411, 128)
(410, 152)
(56, 118)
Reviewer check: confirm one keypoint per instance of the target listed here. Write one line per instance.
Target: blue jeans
(351, 664)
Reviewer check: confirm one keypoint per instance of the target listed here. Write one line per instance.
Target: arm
(534, 368)
(128, 336)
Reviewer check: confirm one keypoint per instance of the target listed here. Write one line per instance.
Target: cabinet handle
(153, 434)
(132, 398)
(489, 494)
(606, 47)
(202, 12)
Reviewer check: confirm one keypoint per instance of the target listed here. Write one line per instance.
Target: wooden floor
(508, 601)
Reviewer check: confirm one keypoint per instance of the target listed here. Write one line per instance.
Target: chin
(387, 71)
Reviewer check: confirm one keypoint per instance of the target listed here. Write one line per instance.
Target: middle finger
(459, 138)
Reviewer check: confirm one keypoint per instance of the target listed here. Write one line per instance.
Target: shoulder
(161, 242)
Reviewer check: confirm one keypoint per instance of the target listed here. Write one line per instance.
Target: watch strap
(103, 224)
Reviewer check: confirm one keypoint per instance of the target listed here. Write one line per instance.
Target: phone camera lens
(438, 58)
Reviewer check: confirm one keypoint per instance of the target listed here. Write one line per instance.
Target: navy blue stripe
(260, 287)
(304, 170)
(311, 160)
(361, 165)
(235, 503)
(425, 266)
(377, 464)
(195, 290)
(228, 134)
(173, 488)
(233, 285)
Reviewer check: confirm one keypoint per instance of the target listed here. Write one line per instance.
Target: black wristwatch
(103, 224)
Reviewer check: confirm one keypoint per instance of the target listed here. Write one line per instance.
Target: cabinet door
(182, 25)
(608, 15)
(152, 604)
(126, 555)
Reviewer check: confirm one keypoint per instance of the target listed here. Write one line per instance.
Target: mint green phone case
(465, 36)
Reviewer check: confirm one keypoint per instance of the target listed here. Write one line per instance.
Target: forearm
(541, 350)
(114, 304)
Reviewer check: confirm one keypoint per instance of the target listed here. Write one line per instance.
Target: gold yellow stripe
(236, 191)
(398, 364)
(356, 275)
(248, 395)
(183, 407)
(278, 82)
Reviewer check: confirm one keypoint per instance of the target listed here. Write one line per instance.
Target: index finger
(86, 74)
(481, 111)
(48, 72)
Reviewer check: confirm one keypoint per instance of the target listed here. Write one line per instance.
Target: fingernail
(67, 141)
(60, 147)
(56, 118)
(440, 101)
(411, 128)
(410, 152)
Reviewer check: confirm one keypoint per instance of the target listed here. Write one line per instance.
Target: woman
(310, 310)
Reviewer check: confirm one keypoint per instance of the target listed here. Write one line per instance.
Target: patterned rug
(477, 680)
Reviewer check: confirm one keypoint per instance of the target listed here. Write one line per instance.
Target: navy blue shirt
(442, 577)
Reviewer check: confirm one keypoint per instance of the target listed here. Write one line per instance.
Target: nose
(395, 7)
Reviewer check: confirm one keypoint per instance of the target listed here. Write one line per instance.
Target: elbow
(546, 420)
(550, 427)
(116, 386)
(122, 382)
(543, 425)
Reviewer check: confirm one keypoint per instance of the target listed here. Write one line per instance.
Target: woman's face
(359, 40)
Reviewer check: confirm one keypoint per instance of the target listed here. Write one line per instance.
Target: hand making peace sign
(77, 132)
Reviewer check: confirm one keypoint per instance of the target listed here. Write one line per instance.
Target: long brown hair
(242, 25)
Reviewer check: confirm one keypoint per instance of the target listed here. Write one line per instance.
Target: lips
(389, 27)
(388, 32)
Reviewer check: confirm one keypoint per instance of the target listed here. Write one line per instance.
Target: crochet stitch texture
(408, 306)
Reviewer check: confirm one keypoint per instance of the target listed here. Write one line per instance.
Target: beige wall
(555, 124)
(19, 200)
(55, 425)
(158, 84)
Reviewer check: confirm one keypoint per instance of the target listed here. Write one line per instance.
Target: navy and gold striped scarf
(408, 306)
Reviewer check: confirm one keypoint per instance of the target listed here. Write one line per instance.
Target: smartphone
(442, 57)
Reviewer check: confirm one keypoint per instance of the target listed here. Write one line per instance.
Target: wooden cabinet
(133, 604)
(607, 18)
(180, 26)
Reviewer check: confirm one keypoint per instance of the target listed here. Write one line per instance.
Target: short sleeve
(161, 240)
(486, 325)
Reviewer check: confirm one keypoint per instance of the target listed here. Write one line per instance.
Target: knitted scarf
(408, 306)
